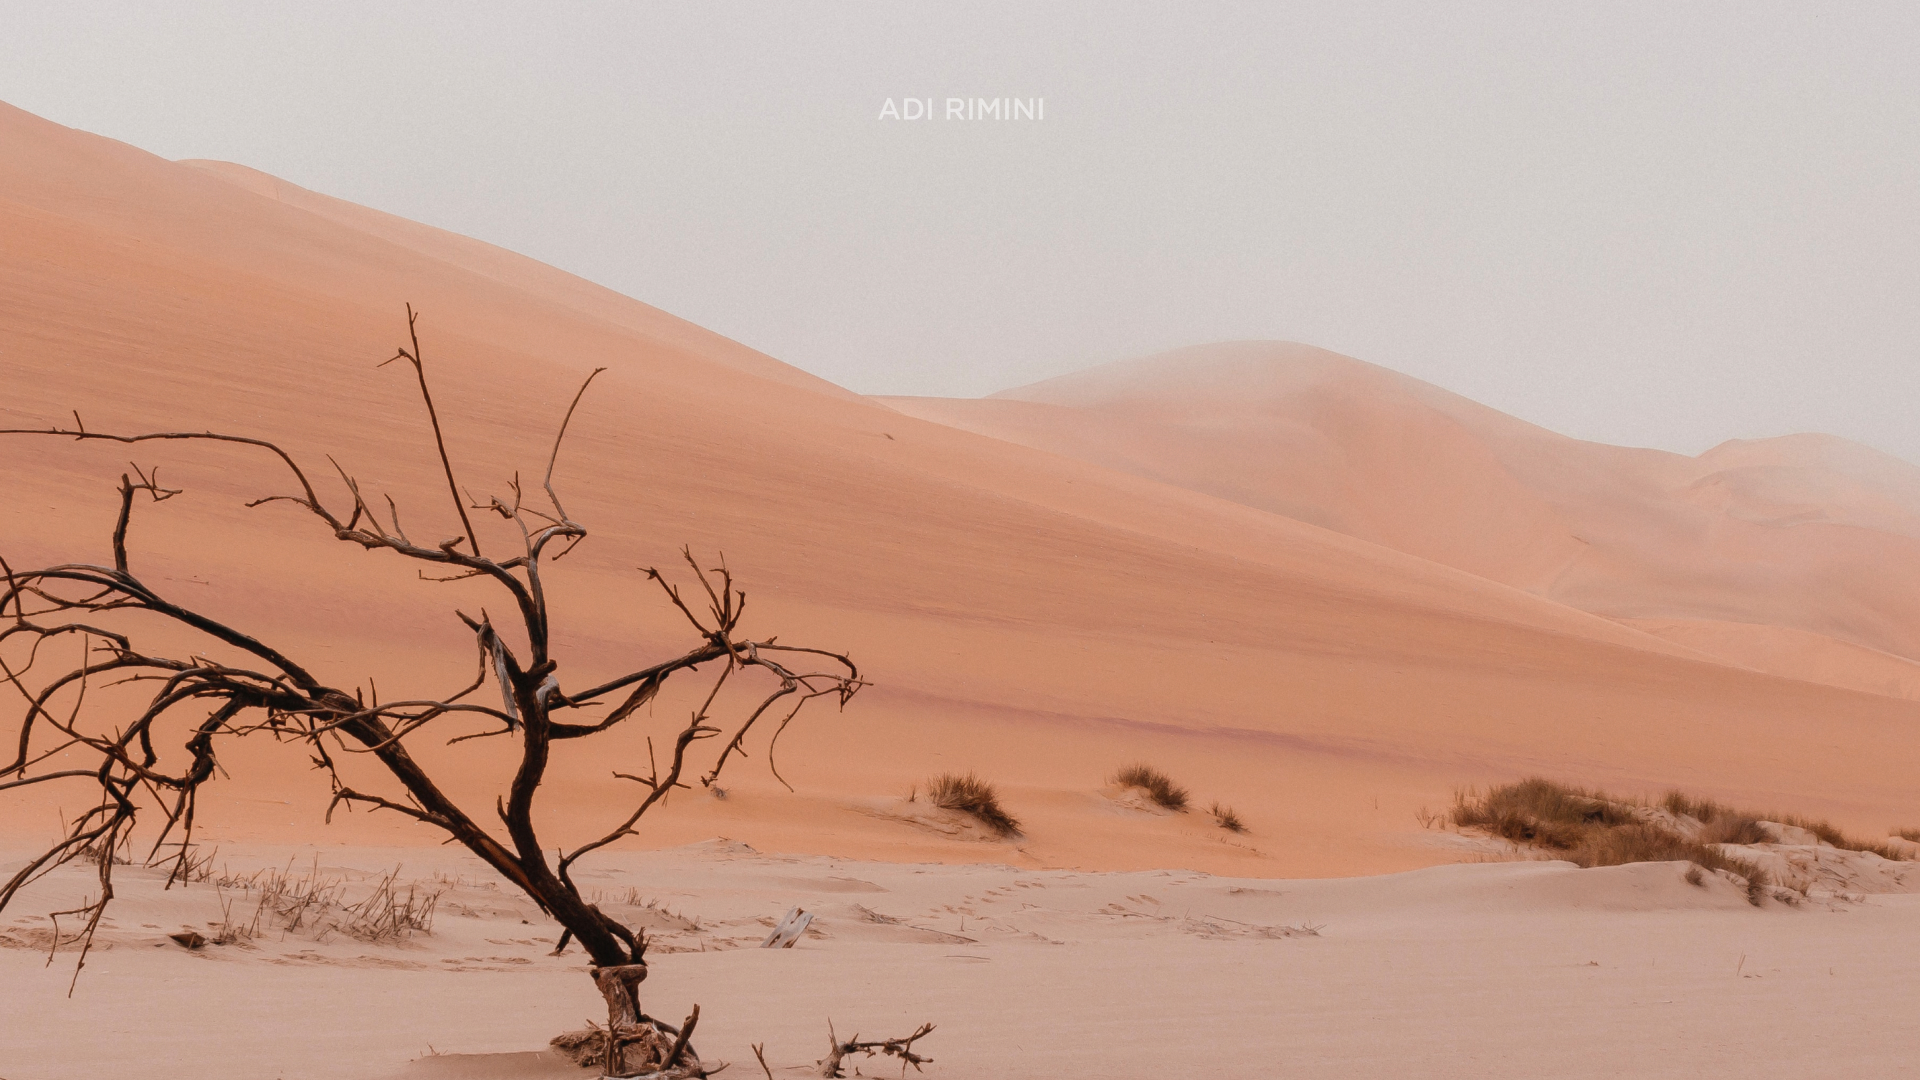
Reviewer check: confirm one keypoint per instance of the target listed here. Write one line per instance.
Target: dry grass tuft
(1681, 804)
(1224, 817)
(1540, 812)
(971, 795)
(1732, 828)
(1158, 785)
(318, 905)
(1590, 829)
(389, 913)
(1740, 827)
(1830, 835)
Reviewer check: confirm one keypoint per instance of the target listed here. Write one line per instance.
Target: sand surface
(1482, 970)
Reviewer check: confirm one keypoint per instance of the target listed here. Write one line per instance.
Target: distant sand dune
(1808, 533)
(1781, 650)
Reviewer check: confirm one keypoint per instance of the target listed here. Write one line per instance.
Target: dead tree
(67, 629)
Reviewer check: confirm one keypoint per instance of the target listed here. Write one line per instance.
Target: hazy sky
(1663, 224)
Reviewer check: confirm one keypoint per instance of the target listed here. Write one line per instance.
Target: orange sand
(1806, 537)
(1328, 598)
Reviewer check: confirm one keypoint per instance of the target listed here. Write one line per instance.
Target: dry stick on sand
(166, 715)
(901, 1048)
(788, 930)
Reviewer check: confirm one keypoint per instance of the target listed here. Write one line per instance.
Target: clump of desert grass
(317, 905)
(1727, 826)
(1589, 828)
(1224, 817)
(972, 796)
(1158, 786)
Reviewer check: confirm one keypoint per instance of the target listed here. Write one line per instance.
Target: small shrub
(1158, 786)
(1589, 829)
(1727, 827)
(1537, 811)
(1647, 843)
(1827, 834)
(1705, 811)
(1634, 844)
(1226, 818)
(971, 795)
(1756, 879)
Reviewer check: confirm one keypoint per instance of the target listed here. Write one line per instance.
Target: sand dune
(1808, 533)
(523, 275)
(1796, 654)
(1035, 617)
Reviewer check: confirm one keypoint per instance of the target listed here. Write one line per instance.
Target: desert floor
(1488, 969)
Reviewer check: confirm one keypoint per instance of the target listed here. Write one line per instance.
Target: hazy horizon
(1641, 225)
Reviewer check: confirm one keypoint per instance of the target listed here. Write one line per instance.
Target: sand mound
(1787, 861)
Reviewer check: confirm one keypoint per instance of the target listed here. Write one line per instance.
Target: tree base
(640, 1051)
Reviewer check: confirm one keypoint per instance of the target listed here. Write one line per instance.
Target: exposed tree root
(649, 1049)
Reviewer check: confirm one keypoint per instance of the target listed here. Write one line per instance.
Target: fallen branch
(901, 1048)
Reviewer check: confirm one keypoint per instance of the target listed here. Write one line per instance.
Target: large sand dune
(1328, 658)
(1808, 533)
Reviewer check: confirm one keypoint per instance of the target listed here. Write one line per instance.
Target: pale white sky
(1661, 224)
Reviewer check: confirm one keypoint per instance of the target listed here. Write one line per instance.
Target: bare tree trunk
(632, 1043)
(620, 986)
